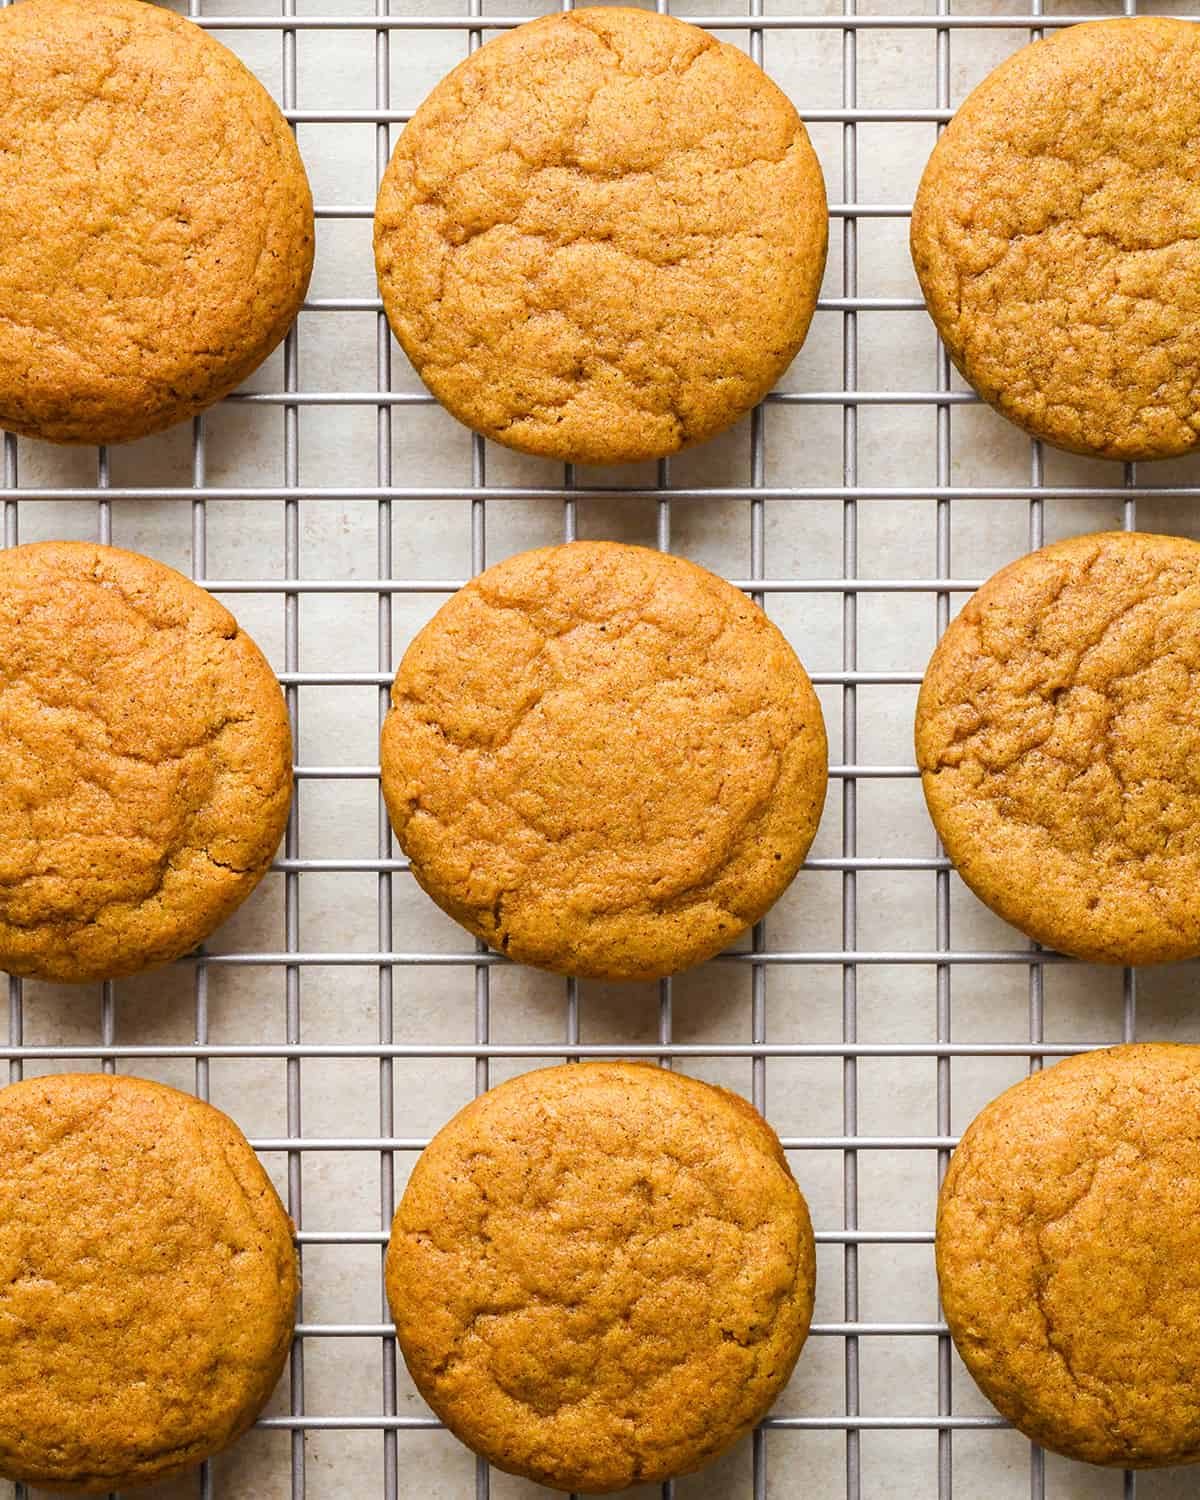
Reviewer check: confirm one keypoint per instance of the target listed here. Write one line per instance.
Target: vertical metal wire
(291, 879)
(383, 885)
(482, 971)
(1129, 978)
(200, 972)
(1037, 1023)
(478, 564)
(665, 999)
(758, 980)
(1037, 971)
(200, 570)
(850, 749)
(16, 999)
(108, 997)
(663, 542)
(665, 1003)
(758, 933)
(945, 1454)
(16, 1002)
(108, 990)
(569, 524)
(1129, 1016)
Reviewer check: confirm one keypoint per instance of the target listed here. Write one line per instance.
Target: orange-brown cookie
(1058, 736)
(1054, 235)
(602, 1274)
(156, 226)
(603, 760)
(147, 1282)
(145, 762)
(601, 237)
(1067, 1242)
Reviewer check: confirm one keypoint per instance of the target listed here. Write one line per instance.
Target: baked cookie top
(1054, 238)
(1067, 1247)
(1058, 736)
(147, 1282)
(601, 237)
(602, 1274)
(145, 762)
(603, 760)
(156, 226)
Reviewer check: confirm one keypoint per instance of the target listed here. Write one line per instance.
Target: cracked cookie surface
(145, 762)
(1067, 1242)
(1054, 236)
(602, 1274)
(601, 237)
(603, 760)
(1058, 738)
(156, 226)
(147, 1282)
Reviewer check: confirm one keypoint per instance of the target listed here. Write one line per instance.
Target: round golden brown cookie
(601, 237)
(603, 760)
(145, 762)
(147, 1282)
(1067, 1251)
(1054, 238)
(602, 1274)
(1058, 736)
(156, 226)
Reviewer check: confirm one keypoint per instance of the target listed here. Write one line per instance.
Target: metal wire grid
(382, 27)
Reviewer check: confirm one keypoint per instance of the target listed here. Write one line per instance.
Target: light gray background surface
(810, 445)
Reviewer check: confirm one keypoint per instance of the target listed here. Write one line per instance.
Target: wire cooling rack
(334, 509)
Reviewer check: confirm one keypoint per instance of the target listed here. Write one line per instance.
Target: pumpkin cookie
(1067, 1240)
(145, 762)
(1058, 736)
(603, 760)
(601, 237)
(602, 1274)
(156, 226)
(147, 1282)
(1054, 236)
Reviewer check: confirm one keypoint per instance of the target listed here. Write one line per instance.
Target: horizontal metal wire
(1015, 20)
(332, 1051)
(776, 398)
(452, 585)
(809, 1424)
(371, 773)
(401, 866)
(816, 1330)
(790, 1143)
(811, 116)
(491, 960)
(383, 679)
(835, 211)
(427, 493)
(421, 398)
(350, 1237)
